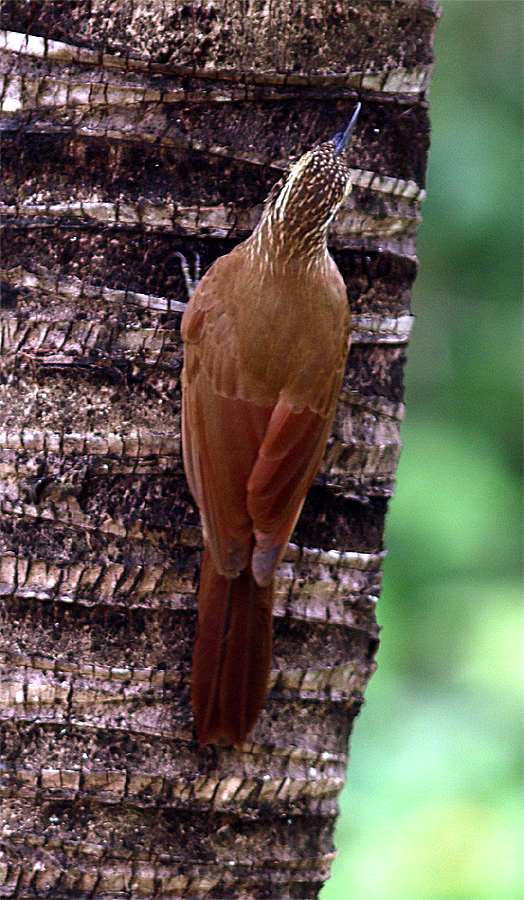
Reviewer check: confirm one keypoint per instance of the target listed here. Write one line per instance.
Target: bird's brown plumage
(266, 336)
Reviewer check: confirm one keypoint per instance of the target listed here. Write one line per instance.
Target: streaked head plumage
(316, 185)
(303, 204)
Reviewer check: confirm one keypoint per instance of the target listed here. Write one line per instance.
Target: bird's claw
(191, 283)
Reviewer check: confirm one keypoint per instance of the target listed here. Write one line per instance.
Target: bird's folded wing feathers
(221, 437)
(286, 464)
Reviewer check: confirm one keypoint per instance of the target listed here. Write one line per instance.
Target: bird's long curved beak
(341, 139)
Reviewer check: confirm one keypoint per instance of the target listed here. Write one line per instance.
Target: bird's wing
(221, 429)
(287, 462)
(221, 437)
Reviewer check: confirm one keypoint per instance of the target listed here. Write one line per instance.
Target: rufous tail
(232, 654)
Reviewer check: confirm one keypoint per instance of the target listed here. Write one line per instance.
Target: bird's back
(261, 330)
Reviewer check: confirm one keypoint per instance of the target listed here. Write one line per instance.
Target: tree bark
(132, 132)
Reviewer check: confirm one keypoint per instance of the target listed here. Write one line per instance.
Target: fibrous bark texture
(132, 132)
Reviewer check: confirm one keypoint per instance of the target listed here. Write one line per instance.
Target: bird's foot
(191, 283)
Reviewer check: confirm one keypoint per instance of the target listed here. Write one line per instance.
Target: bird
(266, 336)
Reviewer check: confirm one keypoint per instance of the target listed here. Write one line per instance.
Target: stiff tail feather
(232, 654)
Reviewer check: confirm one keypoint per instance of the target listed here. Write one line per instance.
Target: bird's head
(302, 206)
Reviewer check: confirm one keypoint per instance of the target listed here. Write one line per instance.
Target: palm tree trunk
(133, 132)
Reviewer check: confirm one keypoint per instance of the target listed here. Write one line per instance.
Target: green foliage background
(432, 807)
